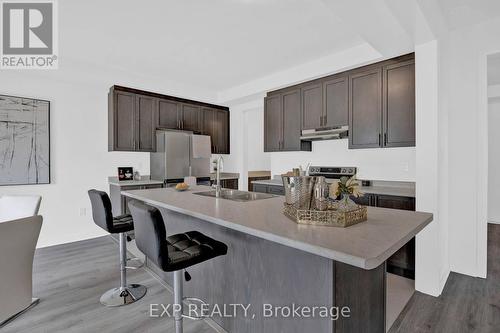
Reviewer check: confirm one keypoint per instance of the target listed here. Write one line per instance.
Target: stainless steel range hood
(333, 133)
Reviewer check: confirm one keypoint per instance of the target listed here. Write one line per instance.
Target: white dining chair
(17, 206)
(19, 230)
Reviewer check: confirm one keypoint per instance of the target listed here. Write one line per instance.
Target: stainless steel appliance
(180, 154)
(332, 172)
(332, 133)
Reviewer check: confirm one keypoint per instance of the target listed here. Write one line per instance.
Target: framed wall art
(24, 141)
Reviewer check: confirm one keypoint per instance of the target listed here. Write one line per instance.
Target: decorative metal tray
(331, 217)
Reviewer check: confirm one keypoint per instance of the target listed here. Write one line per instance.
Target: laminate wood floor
(467, 304)
(70, 278)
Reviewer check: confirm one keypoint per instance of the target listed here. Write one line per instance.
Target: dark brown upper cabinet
(168, 114)
(221, 140)
(131, 122)
(282, 123)
(215, 123)
(365, 109)
(399, 104)
(325, 104)
(146, 113)
(335, 102)
(273, 123)
(208, 124)
(134, 115)
(382, 106)
(377, 101)
(312, 106)
(291, 121)
(121, 122)
(190, 118)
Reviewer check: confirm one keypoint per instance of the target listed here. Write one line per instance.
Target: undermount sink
(236, 195)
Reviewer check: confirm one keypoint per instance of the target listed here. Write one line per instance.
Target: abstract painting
(24, 141)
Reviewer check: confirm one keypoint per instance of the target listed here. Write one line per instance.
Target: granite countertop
(365, 245)
(403, 189)
(145, 180)
(225, 175)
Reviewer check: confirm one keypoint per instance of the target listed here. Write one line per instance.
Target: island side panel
(364, 292)
(256, 271)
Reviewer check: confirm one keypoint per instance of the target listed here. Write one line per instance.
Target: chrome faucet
(217, 185)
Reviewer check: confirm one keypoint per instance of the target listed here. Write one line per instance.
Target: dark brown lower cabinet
(120, 202)
(271, 189)
(231, 184)
(403, 261)
(252, 179)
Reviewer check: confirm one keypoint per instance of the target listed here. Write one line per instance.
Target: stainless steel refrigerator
(180, 154)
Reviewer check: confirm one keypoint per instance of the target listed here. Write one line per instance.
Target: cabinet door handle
(385, 139)
(379, 139)
(325, 120)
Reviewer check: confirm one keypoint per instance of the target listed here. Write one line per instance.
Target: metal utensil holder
(299, 191)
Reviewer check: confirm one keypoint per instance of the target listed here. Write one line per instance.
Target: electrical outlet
(406, 167)
(83, 211)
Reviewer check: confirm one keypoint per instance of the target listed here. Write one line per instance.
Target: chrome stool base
(123, 296)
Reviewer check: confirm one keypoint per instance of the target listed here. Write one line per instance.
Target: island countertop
(365, 245)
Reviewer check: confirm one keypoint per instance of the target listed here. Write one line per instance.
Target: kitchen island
(273, 260)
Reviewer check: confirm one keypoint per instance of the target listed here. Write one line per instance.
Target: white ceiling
(215, 44)
(220, 44)
(460, 13)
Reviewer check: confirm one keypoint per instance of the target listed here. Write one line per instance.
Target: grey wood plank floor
(467, 304)
(70, 278)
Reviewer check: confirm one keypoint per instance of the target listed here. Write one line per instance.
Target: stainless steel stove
(332, 172)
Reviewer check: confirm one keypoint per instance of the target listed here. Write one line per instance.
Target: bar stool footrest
(192, 300)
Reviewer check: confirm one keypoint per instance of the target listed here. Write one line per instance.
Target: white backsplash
(397, 164)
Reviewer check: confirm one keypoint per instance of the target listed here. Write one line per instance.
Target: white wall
(432, 267)
(256, 159)
(374, 164)
(468, 144)
(494, 161)
(79, 157)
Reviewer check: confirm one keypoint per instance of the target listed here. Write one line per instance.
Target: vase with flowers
(342, 191)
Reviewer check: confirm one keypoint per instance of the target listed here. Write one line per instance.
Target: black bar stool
(103, 217)
(174, 253)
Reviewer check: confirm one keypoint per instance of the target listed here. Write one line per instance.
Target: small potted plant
(342, 191)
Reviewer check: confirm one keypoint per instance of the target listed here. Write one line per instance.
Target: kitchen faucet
(217, 185)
